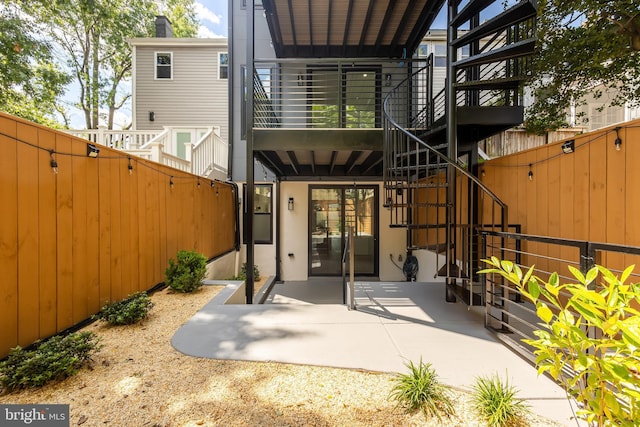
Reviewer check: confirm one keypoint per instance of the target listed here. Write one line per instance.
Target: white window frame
(220, 65)
(155, 65)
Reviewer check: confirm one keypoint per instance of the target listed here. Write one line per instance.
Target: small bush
(420, 389)
(243, 273)
(496, 402)
(126, 312)
(56, 358)
(187, 273)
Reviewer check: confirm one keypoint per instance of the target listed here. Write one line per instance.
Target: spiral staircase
(430, 147)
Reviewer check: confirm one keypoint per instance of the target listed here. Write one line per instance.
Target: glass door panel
(331, 210)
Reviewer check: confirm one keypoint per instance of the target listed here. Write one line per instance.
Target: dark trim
(375, 186)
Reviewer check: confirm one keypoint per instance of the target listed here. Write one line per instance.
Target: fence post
(100, 135)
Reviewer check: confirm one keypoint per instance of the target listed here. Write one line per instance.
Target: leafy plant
(128, 311)
(496, 402)
(591, 330)
(420, 389)
(243, 273)
(187, 273)
(56, 358)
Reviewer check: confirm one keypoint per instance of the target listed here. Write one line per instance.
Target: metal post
(352, 278)
(452, 148)
(248, 202)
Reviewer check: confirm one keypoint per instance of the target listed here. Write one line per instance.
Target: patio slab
(393, 323)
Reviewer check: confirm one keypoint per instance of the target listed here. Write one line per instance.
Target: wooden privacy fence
(77, 231)
(590, 194)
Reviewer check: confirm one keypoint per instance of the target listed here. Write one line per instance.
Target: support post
(248, 202)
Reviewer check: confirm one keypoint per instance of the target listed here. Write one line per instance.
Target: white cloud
(205, 33)
(205, 14)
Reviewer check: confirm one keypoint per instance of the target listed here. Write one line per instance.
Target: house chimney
(163, 27)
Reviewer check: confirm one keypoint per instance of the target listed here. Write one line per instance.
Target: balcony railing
(321, 93)
(208, 155)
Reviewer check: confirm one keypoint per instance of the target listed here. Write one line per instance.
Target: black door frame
(376, 226)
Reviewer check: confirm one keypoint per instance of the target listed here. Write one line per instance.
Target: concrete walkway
(304, 323)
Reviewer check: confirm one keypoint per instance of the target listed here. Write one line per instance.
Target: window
(258, 4)
(262, 214)
(440, 55)
(164, 65)
(423, 51)
(223, 65)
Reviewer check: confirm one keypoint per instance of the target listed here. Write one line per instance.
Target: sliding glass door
(331, 210)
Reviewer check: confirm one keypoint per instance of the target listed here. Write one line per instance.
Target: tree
(30, 83)
(93, 36)
(584, 46)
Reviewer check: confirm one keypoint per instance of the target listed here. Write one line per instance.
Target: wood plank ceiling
(349, 28)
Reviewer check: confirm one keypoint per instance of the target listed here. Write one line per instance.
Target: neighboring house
(310, 112)
(180, 83)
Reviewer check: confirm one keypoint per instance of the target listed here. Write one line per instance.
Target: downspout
(277, 232)
(230, 125)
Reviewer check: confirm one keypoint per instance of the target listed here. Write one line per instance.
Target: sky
(213, 18)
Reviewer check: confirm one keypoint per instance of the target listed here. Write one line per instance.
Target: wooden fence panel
(585, 195)
(92, 232)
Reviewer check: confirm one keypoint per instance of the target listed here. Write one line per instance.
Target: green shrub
(56, 358)
(496, 402)
(605, 362)
(128, 311)
(243, 273)
(187, 273)
(420, 389)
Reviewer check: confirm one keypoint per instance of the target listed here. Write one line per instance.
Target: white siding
(195, 96)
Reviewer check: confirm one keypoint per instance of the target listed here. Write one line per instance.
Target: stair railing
(415, 192)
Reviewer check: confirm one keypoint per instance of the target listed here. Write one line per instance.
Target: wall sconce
(92, 151)
(152, 116)
(618, 141)
(568, 146)
(387, 79)
(290, 207)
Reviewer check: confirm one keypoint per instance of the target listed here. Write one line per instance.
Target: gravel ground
(138, 379)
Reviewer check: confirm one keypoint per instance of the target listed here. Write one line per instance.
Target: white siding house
(180, 82)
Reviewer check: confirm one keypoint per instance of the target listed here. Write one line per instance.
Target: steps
(438, 201)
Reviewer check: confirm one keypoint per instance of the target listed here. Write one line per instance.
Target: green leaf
(577, 274)
(627, 272)
(534, 290)
(591, 275)
(544, 313)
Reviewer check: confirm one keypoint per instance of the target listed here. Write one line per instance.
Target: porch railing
(207, 155)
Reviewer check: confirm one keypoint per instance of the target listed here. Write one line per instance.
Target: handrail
(348, 297)
(442, 156)
(413, 172)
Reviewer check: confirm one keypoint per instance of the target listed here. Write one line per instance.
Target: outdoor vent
(163, 27)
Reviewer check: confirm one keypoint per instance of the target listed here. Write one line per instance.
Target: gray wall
(195, 96)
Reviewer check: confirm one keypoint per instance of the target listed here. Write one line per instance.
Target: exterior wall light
(568, 146)
(290, 206)
(92, 151)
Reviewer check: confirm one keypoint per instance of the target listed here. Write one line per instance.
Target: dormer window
(164, 65)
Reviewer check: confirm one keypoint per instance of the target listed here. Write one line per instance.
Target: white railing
(119, 139)
(206, 155)
(209, 153)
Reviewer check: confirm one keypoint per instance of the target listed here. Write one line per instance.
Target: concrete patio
(305, 323)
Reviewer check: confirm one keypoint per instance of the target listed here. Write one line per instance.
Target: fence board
(47, 236)
(64, 219)
(28, 263)
(8, 234)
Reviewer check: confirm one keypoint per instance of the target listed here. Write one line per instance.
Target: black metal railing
(506, 311)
